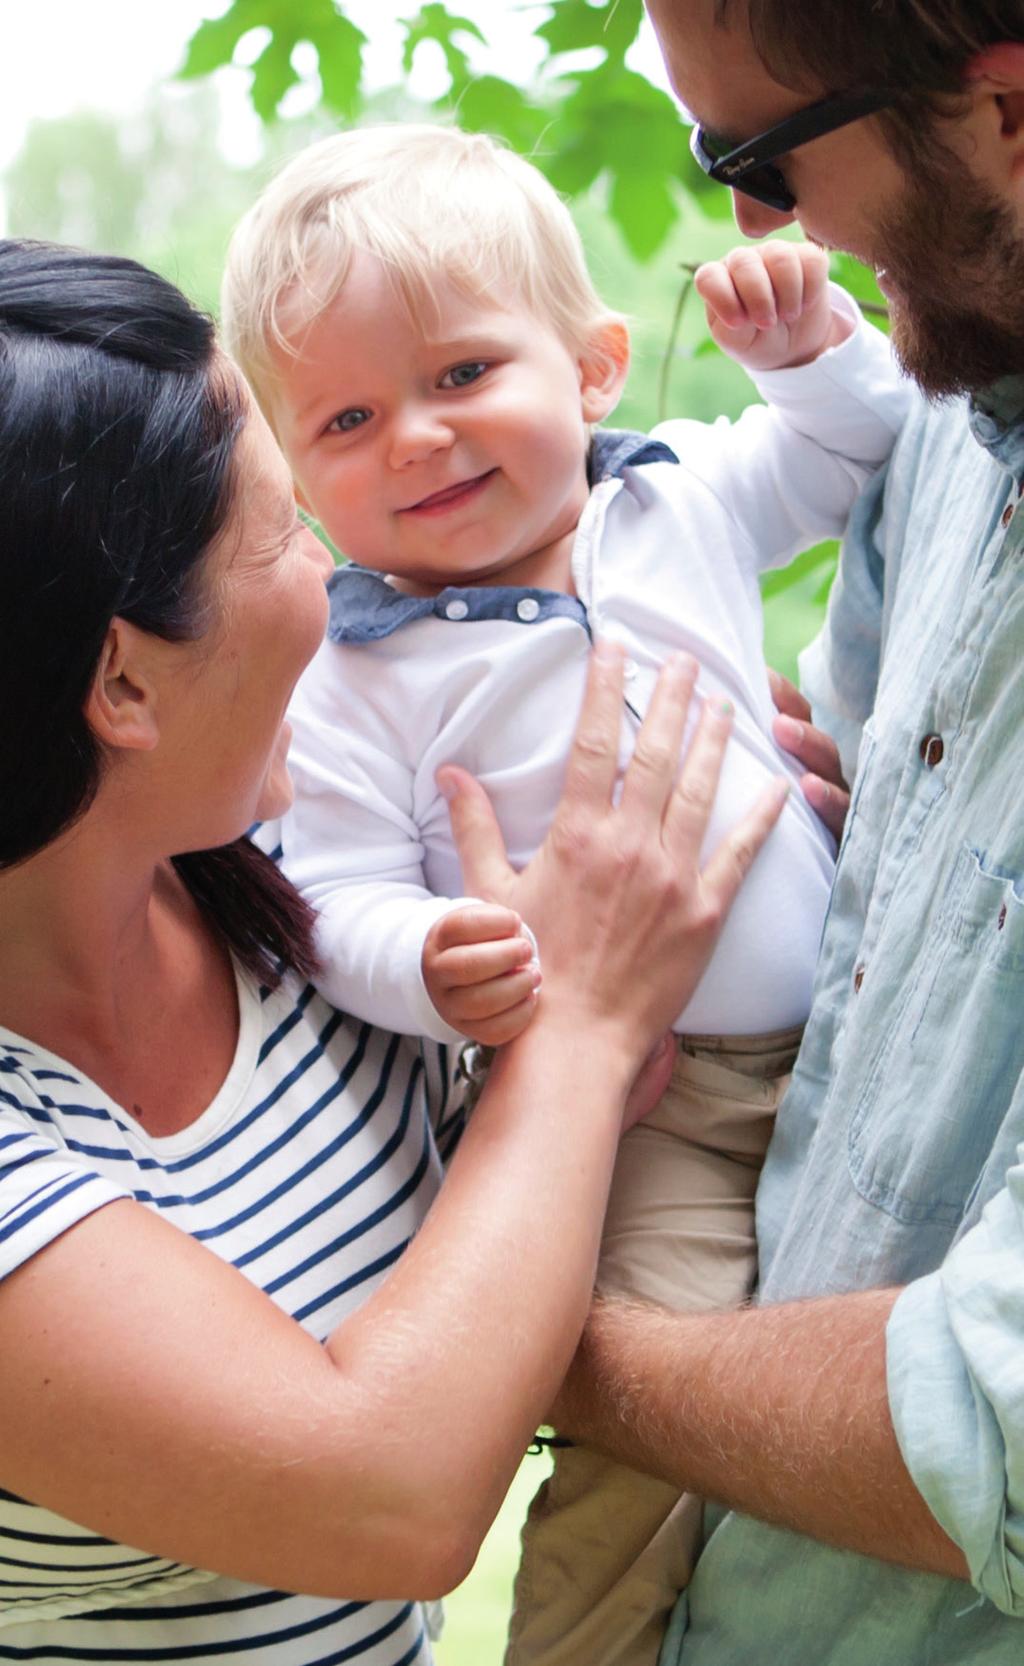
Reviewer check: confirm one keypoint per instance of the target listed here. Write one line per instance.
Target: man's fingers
(485, 865)
(786, 697)
(814, 749)
(654, 765)
(829, 802)
(725, 872)
(653, 1078)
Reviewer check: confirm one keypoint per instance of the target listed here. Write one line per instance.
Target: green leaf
(823, 591)
(433, 22)
(573, 168)
(821, 556)
(575, 25)
(339, 45)
(645, 209)
(614, 122)
(214, 42)
(272, 75)
(487, 104)
(860, 281)
(336, 40)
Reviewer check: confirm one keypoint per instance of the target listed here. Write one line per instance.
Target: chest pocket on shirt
(938, 1087)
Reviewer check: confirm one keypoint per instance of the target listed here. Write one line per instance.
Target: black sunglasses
(749, 167)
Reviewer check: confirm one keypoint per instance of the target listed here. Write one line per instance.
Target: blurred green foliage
(581, 125)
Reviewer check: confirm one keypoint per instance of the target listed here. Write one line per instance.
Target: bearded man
(861, 1428)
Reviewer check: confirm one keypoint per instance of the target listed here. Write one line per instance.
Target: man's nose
(756, 219)
(416, 434)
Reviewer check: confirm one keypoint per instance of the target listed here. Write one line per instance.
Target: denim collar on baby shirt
(365, 608)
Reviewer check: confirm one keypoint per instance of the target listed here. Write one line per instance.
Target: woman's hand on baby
(769, 307)
(481, 972)
(626, 916)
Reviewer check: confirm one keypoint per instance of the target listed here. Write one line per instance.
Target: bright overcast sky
(65, 55)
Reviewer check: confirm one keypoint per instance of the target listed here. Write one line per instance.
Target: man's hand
(769, 308)
(481, 973)
(823, 786)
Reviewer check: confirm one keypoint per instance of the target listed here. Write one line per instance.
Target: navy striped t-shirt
(309, 1172)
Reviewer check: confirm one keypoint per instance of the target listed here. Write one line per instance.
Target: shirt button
(528, 608)
(858, 979)
(931, 750)
(629, 670)
(1008, 514)
(457, 609)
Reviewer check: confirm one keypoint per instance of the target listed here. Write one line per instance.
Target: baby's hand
(769, 307)
(481, 973)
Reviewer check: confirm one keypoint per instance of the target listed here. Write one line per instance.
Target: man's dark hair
(918, 49)
(118, 427)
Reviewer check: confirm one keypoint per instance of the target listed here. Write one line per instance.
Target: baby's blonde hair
(429, 203)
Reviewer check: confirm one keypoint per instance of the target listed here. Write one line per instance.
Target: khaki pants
(605, 1550)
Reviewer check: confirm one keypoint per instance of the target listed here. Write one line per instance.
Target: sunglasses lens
(764, 182)
(767, 185)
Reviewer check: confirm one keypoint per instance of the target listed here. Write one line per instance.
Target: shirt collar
(997, 422)
(365, 608)
(615, 449)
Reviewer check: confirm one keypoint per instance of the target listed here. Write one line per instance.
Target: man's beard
(954, 257)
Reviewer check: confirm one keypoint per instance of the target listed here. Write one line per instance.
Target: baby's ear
(603, 366)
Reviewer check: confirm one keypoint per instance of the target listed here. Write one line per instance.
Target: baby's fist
(481, 973)
(769, 307)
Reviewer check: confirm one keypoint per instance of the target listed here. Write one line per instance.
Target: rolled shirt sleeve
(955, 1349)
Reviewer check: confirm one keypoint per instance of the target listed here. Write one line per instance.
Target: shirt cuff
(953, 1437)
(861, 370)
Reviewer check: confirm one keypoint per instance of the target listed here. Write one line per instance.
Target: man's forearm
(779, 1412)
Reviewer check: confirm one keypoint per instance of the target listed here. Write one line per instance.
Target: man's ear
(998, 72)
(120, 707)
(1001, 65)
(603, 366)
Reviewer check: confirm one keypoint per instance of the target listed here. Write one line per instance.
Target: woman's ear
(120, 707)
(603, 366)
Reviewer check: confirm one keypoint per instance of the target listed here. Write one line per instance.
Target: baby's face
(456, 457)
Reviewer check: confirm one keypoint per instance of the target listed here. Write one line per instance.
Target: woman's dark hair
(917, 49)
(118, 428)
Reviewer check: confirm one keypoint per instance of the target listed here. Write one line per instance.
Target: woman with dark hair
(217, 1351)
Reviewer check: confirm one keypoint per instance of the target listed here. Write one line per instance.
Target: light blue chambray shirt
(899, 1152)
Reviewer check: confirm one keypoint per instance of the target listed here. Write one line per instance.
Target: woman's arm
(151, 1393)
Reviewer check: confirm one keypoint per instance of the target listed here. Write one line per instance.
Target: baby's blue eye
(461, 375)
(345, 421)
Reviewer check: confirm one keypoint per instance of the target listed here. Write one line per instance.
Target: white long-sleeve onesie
(666, 557)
